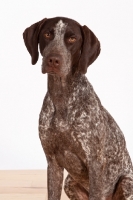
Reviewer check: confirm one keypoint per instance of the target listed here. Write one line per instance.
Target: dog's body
(76, 131)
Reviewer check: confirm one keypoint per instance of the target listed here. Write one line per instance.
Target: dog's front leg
(96, 186)
(97, 179)
(54, 179)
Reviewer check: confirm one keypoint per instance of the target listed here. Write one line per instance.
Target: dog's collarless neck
(61, 91)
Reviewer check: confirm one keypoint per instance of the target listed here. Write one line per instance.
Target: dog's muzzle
(52, 64)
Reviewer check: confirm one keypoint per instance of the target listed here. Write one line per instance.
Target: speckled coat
(77, 133)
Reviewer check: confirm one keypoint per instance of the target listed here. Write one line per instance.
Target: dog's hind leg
(74, 190)
(124, 188)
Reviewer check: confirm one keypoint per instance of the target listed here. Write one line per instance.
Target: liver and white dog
(76, 131)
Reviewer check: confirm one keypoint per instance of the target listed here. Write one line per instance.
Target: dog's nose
(54, 60)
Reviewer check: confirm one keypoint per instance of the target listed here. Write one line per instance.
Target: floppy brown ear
(30, 37)
(90, 49)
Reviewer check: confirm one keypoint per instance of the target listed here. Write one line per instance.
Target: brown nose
(53, 60)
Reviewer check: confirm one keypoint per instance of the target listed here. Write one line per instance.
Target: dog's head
(65, 45)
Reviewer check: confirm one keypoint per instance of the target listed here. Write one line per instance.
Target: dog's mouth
(51, 73)
(50, 70)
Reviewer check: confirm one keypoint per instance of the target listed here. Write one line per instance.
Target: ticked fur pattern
(78, 134)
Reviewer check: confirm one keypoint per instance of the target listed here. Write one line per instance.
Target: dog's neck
(61, 90)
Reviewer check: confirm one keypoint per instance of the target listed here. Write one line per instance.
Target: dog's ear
(30, 37)
(90, 49)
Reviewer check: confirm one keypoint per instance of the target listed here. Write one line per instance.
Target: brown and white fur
(77, 133)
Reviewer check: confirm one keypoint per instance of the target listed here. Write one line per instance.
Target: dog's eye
(47, 35)
(72, 40)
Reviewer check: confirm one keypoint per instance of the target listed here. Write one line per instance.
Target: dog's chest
(67, 129)
(68, 151)
(75, 165)
(66, 140)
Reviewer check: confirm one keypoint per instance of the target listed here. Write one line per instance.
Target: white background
(22, 86)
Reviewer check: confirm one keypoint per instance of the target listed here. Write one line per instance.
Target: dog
(77, 133)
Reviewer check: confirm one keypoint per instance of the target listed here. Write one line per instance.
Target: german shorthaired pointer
(77, 133)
